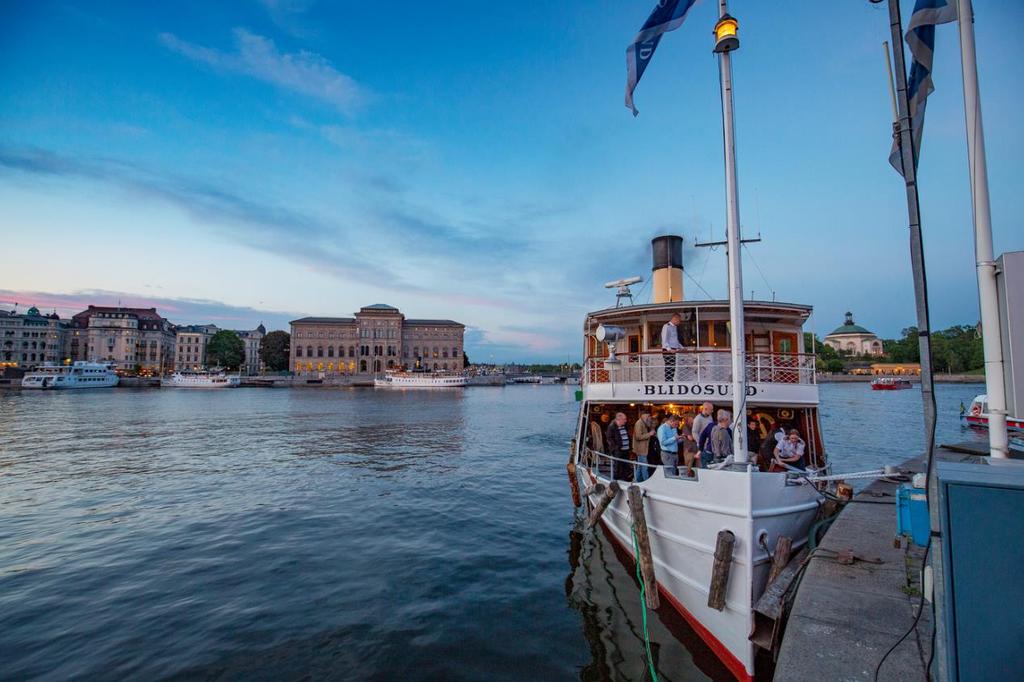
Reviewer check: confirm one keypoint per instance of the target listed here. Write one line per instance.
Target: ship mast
(725, 42)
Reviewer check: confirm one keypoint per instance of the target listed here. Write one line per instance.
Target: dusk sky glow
(260, 161)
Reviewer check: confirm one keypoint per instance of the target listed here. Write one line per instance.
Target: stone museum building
(377, 339)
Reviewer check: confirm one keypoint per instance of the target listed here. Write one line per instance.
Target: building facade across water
(31, 338)
(129, 338)
(378, 338)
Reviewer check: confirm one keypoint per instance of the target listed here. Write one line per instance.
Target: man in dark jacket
(616, 439)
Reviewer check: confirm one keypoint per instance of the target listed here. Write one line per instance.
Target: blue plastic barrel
(912, 514)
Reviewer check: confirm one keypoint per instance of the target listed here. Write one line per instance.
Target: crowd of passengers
(696, 440)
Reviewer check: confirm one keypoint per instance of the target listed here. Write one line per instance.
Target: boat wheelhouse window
(714, 334)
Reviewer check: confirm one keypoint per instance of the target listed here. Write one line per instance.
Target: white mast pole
(739, 365)
(983, 253)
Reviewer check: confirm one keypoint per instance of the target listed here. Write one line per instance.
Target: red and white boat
(890, 384)
(977, 415)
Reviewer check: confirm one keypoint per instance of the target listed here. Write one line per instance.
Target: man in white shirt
(670, 345)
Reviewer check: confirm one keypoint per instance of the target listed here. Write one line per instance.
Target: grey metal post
(983, 254)
(908, 157)
(739, 370)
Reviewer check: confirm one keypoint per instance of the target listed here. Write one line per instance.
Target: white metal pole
(739, 371)
(983, 253)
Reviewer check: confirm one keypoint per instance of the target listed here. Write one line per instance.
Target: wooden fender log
(783, 548)
(770, 608)
(720, 569)
(609, 494)
(635, 497)
(573, 484)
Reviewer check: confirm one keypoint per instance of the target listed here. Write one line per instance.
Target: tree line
(955, 350)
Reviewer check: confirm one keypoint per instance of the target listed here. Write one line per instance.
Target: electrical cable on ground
(920, 610)
(643, 605)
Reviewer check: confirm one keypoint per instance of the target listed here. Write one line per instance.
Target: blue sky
(248, 161)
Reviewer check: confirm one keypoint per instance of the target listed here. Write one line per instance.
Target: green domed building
(854, 339)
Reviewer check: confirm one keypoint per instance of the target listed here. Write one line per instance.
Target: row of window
(341, 367)
(41, 345)
(28, 357)
(366, 333)
(389, 351)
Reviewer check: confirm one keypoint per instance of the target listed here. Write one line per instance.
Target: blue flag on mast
(668, 15)
(920, 37)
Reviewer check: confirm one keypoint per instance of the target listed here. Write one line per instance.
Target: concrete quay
(845, 617)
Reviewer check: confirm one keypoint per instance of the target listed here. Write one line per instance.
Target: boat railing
(600, 464)
(699, 366)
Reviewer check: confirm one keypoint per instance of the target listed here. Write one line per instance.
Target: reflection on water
(332, 534)
(602, 585)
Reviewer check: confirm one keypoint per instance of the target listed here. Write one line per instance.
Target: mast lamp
(726, 34)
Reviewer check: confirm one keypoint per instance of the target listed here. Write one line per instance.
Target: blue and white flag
(668, 15)
(920, 38)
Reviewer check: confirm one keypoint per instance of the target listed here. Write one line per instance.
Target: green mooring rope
(643, 605)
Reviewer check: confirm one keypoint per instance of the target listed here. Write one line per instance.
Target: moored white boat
(77, 375)
(211, 379)
(978, 416)
(890, 384)
(420, 380)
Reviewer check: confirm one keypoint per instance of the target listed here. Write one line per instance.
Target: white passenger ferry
(211, 379)
(420, 380)
(627, 371)
(77, 375)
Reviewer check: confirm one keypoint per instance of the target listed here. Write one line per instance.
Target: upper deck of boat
(778, 370)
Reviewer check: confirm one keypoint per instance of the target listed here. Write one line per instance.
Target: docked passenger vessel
(630, 373)
(77, 375)
(211, 379)
(420, 380)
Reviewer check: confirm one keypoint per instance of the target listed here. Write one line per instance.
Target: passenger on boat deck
(791, 450)
(687, 428)
(766, 451)
(668, 439)
(702, 419)
(720, 442)
(670, 345)
(691, 454)
(642, 433)
(616, 440)
(753, 435)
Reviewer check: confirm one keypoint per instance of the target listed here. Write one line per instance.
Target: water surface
(336, 534)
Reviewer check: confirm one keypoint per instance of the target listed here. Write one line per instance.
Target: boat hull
(684, 517)
(420, 382)
(202, 383)
(981, 421)
(891, 387)
(70, 385)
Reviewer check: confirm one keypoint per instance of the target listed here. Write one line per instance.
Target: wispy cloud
(441, 258)
(177, 310)
(302, 72)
